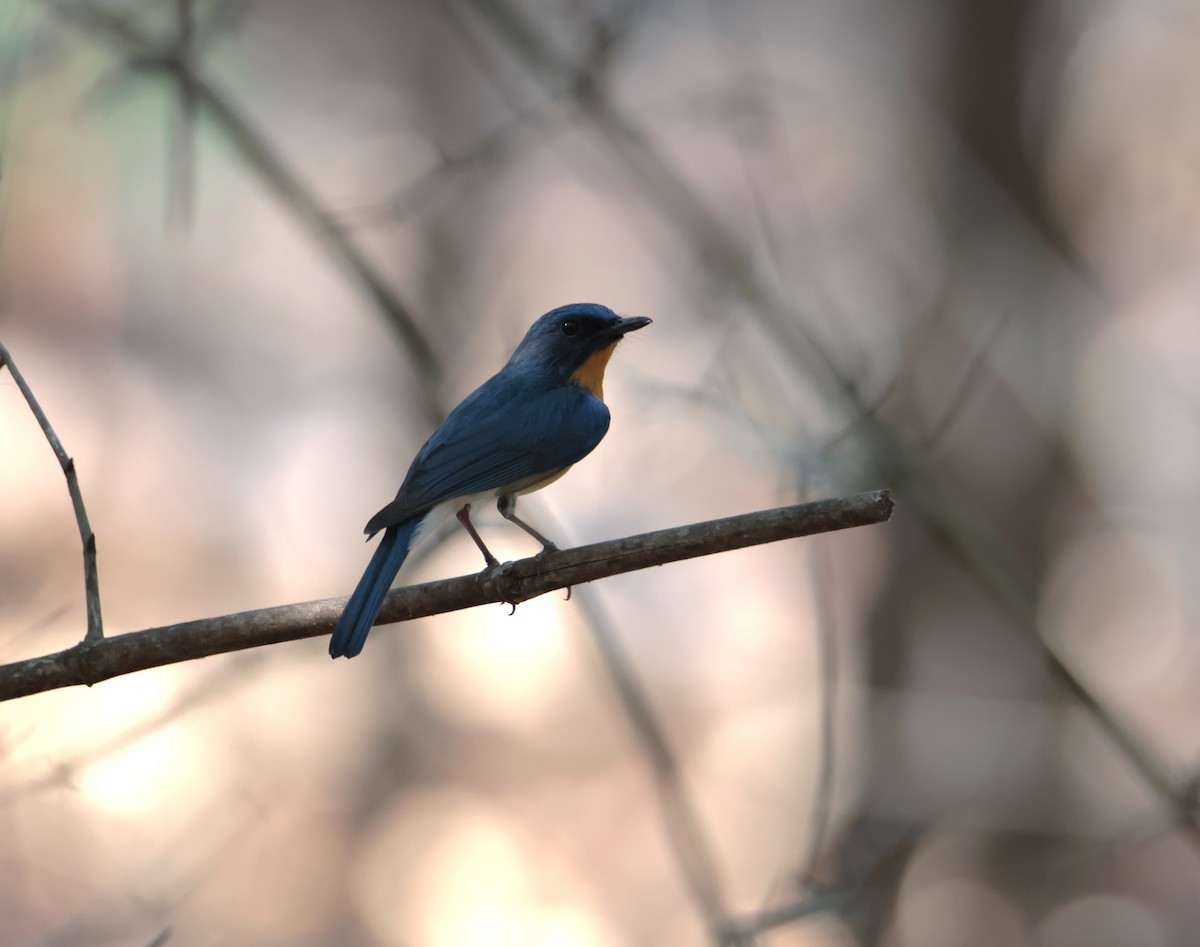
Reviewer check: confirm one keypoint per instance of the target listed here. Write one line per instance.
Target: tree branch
(91, 578)
(93, 661)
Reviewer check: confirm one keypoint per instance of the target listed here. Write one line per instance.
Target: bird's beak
(628, 324)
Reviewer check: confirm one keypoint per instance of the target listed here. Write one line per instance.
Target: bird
(519, 431)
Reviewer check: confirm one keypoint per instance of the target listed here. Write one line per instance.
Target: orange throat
(590, 374)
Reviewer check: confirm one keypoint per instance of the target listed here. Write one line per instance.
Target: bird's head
(574, 343)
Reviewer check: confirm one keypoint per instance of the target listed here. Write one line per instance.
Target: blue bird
(520, 430)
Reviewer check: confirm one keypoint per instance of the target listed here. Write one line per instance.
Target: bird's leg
(507, 505)
(464, 517)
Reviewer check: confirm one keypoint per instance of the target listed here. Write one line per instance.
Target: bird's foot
(490, 564)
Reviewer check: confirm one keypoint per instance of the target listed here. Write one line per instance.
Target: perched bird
(520, 430)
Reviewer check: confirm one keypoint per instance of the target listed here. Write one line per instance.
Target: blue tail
(351, 631)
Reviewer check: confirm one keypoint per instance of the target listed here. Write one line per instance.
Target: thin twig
(91, 579)
(145, 55)
(419, 191)
(826, 639)
(684, 831)
(746, 929)
(969, 380)
(512, 582)
(183, 164)
(201, 692)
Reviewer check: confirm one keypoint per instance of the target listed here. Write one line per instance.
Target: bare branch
(694, 854)
(183, 147)
(969, 380)
(93, 661)
(745, 930)
(91, 580)
(827, 655)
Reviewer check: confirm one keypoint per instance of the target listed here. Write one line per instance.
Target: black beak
(628, 324)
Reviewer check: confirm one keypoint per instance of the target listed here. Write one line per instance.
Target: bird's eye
(570, 328)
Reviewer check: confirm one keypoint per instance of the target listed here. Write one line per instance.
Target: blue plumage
(519, 430)
(508, 429)
(362, 607)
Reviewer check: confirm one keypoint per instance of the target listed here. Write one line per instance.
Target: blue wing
(504, 432)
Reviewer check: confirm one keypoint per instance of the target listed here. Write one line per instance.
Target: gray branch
(92, 661)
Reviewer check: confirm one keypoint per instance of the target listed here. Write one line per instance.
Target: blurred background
(251, 252)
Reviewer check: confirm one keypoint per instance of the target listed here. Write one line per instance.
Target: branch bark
(92, 661)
